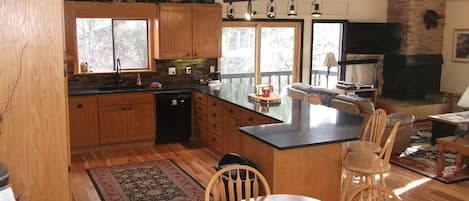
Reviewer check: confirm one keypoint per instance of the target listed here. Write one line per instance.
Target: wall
(416, 38)
(454, 76)
(34, 140)
(200, 70)
(353, 10)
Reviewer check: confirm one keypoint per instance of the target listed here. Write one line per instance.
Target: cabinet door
(113, 124)
(141, 122)
(83, 121)
(207, 21)
(231, 135)
(175, 31)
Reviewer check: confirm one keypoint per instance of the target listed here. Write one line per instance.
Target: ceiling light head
(230, 11)
(271, 9)
(249, 13)
(316, 11)
(292, 8)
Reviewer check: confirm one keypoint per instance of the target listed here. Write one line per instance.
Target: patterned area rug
(421, 157)
(161, 180)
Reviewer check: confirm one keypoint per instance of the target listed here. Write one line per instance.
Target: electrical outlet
(172, 71)
(212, 69)
(188, 70)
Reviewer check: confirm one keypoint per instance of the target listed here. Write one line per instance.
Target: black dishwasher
(173, 116)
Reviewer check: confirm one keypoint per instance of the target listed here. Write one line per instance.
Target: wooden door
(83, 111)
(175, 31)
(113, 124)
(206, 29)
(141, 122)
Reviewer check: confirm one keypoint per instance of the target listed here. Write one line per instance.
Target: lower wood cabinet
(111, 118)
(126, 117)
(83, 113)
(217, 123)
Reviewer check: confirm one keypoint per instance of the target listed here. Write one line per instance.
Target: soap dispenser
(139, 80)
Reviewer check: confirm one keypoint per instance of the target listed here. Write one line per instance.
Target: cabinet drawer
(126, 98)
(201, 120)
(232, 110)
(214, 126)
(251, 118)
(200, 108)
(214, 114)
(213, 142)
(200, 98)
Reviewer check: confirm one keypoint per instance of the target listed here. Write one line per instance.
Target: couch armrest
(296, 93)
(345, 106)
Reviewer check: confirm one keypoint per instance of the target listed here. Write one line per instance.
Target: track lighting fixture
(316, 11)
(292, 8)
(271, 9)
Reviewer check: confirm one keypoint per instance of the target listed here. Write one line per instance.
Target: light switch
(171, 70)
(212, 69)
(188, 70)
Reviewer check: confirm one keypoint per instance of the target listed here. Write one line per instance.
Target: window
(100, 33)
(261, 52)
(101, 41)
(327, 37)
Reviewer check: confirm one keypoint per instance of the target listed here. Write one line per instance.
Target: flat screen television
(373, 38)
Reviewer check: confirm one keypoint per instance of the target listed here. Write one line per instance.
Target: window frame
(341, 68)
(119, 11)
(298, 24)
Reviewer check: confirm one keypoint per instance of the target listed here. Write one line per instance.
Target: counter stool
(366, 165)
(371, 134)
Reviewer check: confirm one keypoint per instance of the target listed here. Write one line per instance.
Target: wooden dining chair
(366, 165)
(313, 98)
(372, 133)
(228, 184)
(373, 193)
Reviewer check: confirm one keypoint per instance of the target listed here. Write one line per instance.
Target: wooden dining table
(283, 197)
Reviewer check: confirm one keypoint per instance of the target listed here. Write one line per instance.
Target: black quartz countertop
(302, 124)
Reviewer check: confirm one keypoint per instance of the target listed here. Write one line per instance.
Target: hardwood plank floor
(199, 163)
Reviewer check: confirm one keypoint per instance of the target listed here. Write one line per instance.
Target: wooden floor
(199, 163)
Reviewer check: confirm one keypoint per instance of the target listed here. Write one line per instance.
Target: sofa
(358, 106)
(351, 104)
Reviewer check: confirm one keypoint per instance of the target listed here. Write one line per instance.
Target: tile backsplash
(200, 70)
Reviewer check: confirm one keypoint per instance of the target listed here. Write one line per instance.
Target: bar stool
(366, 165)
(371, 134)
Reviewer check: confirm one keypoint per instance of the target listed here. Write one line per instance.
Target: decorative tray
(272, 99)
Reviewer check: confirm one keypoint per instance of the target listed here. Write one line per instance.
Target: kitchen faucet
(119, 78)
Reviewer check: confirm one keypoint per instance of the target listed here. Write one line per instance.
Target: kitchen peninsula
(300, 150)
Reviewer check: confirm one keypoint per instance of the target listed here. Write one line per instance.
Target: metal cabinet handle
(123, 108)
(195, 54)
(250, 119)
(231, 110)
(214, 125)
(214, 104)
(130, 107)
(80, 106)
(188, 54)
(214, 115)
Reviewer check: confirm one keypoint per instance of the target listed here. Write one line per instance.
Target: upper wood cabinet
(188, 31)
(83, 121)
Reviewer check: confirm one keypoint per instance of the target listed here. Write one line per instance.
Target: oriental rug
(421, 157)
(161, 180)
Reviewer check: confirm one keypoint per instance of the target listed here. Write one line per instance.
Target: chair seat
(365, 162)
(363, 146)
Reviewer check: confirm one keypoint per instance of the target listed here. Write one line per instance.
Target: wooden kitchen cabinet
(113, 124)
(83, 112)
(126, 117)
(188, 31)
(206, 27)
(231, 134)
